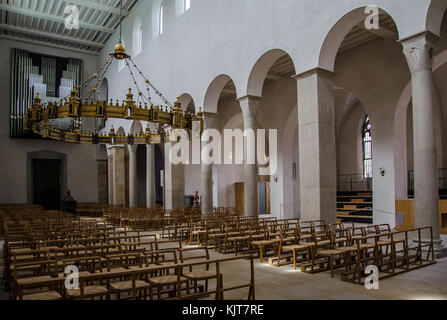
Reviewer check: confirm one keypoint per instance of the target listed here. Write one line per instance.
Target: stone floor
(285, 283)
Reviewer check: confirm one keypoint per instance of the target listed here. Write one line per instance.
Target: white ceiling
(43, 22)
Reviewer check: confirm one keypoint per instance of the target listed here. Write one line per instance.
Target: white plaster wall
(81, 159)
(227, 37)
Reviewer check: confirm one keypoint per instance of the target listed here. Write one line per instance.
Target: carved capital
(209, 120)
(249, 106)
(419, 51)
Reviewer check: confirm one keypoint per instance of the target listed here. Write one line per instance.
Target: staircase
(353, 206)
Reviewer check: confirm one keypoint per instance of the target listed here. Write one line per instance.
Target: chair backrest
(200, 253)
(161, 257)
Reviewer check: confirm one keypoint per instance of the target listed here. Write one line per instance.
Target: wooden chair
(195, 276)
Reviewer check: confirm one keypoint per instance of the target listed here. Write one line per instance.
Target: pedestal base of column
(439, 248)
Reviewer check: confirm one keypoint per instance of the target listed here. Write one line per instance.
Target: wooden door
(46, 183)
(239, 194)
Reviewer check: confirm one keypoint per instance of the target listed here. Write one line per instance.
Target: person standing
(196, 200)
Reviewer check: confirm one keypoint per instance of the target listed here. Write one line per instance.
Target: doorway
(47, 183)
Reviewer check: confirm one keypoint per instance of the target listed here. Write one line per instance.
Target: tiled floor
(285, 283)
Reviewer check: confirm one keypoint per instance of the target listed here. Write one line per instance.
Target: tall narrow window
(138, 39)
(367, 149)
(187, 5)
(160, 19)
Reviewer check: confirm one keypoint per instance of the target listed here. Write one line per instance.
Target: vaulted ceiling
(43, 22)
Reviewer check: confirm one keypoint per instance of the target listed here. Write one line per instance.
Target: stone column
(110, 178)
(207, 171)
(133, 182)
(250, 107)
(317, 155)
(419, 53)
(119, 178)
(174, 186)
(150, 176)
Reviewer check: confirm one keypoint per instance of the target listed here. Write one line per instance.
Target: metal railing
(353, 182)
(442, 179)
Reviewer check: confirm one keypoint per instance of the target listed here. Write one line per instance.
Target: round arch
(187, 102)
(260, 71)
(104, 89)
(435, 15)
(337, 34)
(136, 128)
(214, 91)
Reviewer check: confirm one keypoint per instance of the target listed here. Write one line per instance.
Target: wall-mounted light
(275, 178)
(382, 172)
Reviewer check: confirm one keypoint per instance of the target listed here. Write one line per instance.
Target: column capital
(419, 51)
(319, 71)
(249, 105)
(132, 147)
(115, 146)
(209, 119)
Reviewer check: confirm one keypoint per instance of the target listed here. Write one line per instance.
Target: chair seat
(329, 252)
(21, 250)
(166, 280)
(31, 267)
(383, 242)
(294, 247)
(341, 239)
(202, 275)
(264, 242)
(81, 274)
(118, 269)
(367, 245)
(49, 295)
(127, 285)
(347, 249)
(34, 280)
(88, 291)
(24, 257)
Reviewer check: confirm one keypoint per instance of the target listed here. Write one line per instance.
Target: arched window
(187, 5)
(138, 39)
(367, 149)
(160, 19)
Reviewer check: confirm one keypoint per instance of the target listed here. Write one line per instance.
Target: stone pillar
(119, 176)
(207, 171)
(150, 176)
(250, 107)
(174, 186)
(419, 53)
(110, 178)
(133, 182)
(317, 155)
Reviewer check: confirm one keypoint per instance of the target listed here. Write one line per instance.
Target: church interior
(223, 150)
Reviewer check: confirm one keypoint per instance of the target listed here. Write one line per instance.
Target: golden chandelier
(41, 118)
